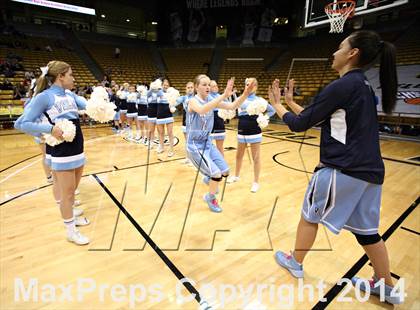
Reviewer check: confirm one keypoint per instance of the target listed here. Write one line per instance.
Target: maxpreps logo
(410, 97)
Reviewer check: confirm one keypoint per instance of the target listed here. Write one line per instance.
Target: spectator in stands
(17, 44)
(105, 81)
(19, 91)
(117, 52)
(108, 71)
(7, 85)
(48, 48)
(29, 75)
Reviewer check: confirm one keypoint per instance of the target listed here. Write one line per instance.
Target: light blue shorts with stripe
(339, 201)
(206, 157)
(117, 116)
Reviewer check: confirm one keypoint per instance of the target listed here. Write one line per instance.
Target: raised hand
(229, 87)
(288, 91)
(274, 92)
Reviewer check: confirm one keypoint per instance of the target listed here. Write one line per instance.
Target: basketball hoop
(338, 12)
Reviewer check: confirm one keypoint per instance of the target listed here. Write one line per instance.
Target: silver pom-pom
(69, 132)
(226, 114)
(156, 84)
(262, 120)
(257, 106)
(99, 107)
(141, 89)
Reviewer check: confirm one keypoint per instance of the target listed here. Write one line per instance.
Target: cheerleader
(154, 95)
(122, 95)
(114, 99)
(67, 158)
(250, 132)
(200, 117)
(189, 93)
(46, 158)
(164, 117)
(132, 112)
(218, 133)
(142, 114)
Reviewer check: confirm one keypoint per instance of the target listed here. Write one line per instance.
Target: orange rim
(349, 7)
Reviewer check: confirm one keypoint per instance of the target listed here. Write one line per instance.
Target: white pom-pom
(142, 90)
(172, 95)
(69, 132)
(98, 107)
(257, 107)
(68, 128)
(226, 114)
(172, 109)
(156, 84)
(262, 120)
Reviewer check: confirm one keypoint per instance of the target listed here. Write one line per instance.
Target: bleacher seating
(184, 65)
(134, 64)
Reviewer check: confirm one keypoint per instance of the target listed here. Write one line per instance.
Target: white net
(338, 13)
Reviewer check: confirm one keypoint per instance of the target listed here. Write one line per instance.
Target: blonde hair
(250, 80)
(198, 79)
(55, 68)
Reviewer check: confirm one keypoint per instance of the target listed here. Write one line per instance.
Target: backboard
(315, 14)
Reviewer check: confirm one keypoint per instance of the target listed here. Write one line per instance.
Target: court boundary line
(190, 288)
(19, 162)
(336, 289)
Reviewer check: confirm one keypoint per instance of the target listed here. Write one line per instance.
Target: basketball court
(155, 244)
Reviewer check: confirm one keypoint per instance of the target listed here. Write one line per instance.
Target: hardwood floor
(228, 255)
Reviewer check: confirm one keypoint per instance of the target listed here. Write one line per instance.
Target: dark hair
(372, 49)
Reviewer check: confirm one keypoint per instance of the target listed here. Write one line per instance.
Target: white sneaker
(78, 238)
(159, 149)
(232, 179)
(77, 203)
(77, 212)
(255, 187)
(171, 153)
(50, 179)
(77, 192)
(81, 221)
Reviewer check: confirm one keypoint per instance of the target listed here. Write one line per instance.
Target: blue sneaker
(395, 298)
(212, 203)
(290, 263)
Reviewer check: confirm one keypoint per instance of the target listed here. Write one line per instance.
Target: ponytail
(41, 84)
(371, 50)
(49, 74)
(388, 77)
